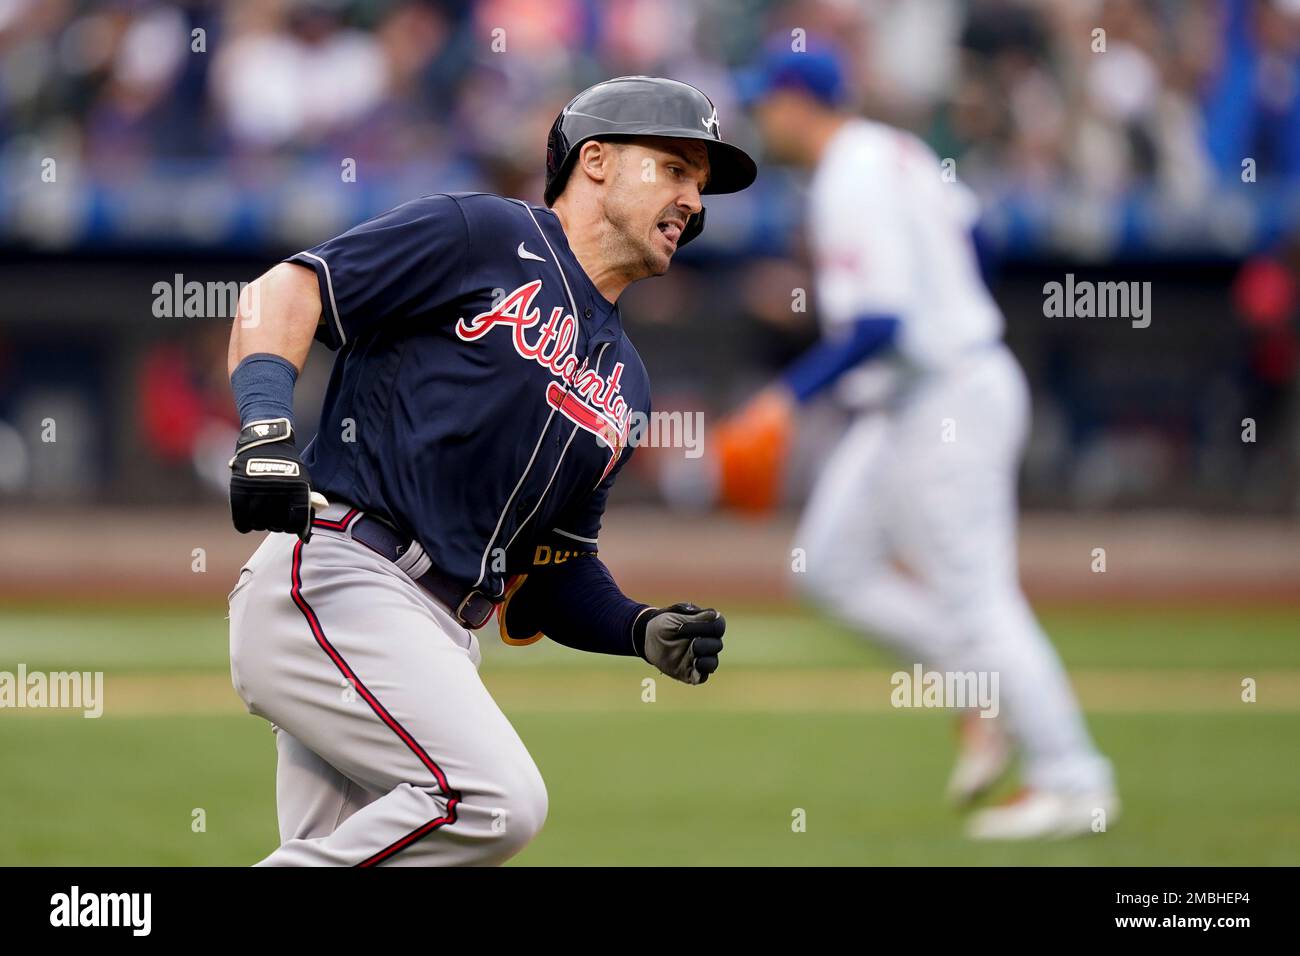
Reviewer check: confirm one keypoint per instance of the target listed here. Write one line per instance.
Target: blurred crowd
(224, 125)
(1023, 93)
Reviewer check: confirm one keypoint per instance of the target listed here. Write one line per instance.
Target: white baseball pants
(931, 485)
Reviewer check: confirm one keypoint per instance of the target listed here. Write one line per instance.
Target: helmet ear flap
(694, 226)
(558, 154)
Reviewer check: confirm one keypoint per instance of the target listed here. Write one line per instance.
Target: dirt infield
(169, 555)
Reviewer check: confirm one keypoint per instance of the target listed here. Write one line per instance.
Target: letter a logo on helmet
(632, 106)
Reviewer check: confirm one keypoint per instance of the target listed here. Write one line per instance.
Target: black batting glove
(683, 641)
(270, 489)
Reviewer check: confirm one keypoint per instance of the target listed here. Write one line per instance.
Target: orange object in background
(752, 448)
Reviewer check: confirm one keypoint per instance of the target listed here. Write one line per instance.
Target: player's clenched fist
(270, 489)
(683, 641)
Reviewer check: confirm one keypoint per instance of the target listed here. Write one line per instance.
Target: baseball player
(475, 421)
(926, 475)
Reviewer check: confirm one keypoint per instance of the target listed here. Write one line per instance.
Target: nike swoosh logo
(525, 254)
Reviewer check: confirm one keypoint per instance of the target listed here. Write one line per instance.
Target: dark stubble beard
(627, 243)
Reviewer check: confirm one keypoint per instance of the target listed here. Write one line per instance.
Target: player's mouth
(671, 229)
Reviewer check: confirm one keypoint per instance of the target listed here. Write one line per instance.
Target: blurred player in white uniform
(910, 534)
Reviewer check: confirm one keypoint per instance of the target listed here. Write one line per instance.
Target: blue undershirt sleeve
(825, 362)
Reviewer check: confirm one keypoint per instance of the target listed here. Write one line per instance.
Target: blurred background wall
(145, 143)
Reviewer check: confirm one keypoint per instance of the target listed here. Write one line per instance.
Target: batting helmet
(630, 106)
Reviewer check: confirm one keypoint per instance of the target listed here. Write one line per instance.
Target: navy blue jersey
(483, 391)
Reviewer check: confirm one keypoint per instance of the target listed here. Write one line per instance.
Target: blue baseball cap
(817, 71)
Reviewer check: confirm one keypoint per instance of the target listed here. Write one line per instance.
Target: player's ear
(596, 160)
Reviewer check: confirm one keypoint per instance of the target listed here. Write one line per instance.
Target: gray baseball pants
(390, 749)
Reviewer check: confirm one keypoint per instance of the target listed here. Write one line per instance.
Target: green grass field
(797, 718)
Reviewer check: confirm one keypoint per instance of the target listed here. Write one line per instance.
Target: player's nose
(688, 200)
